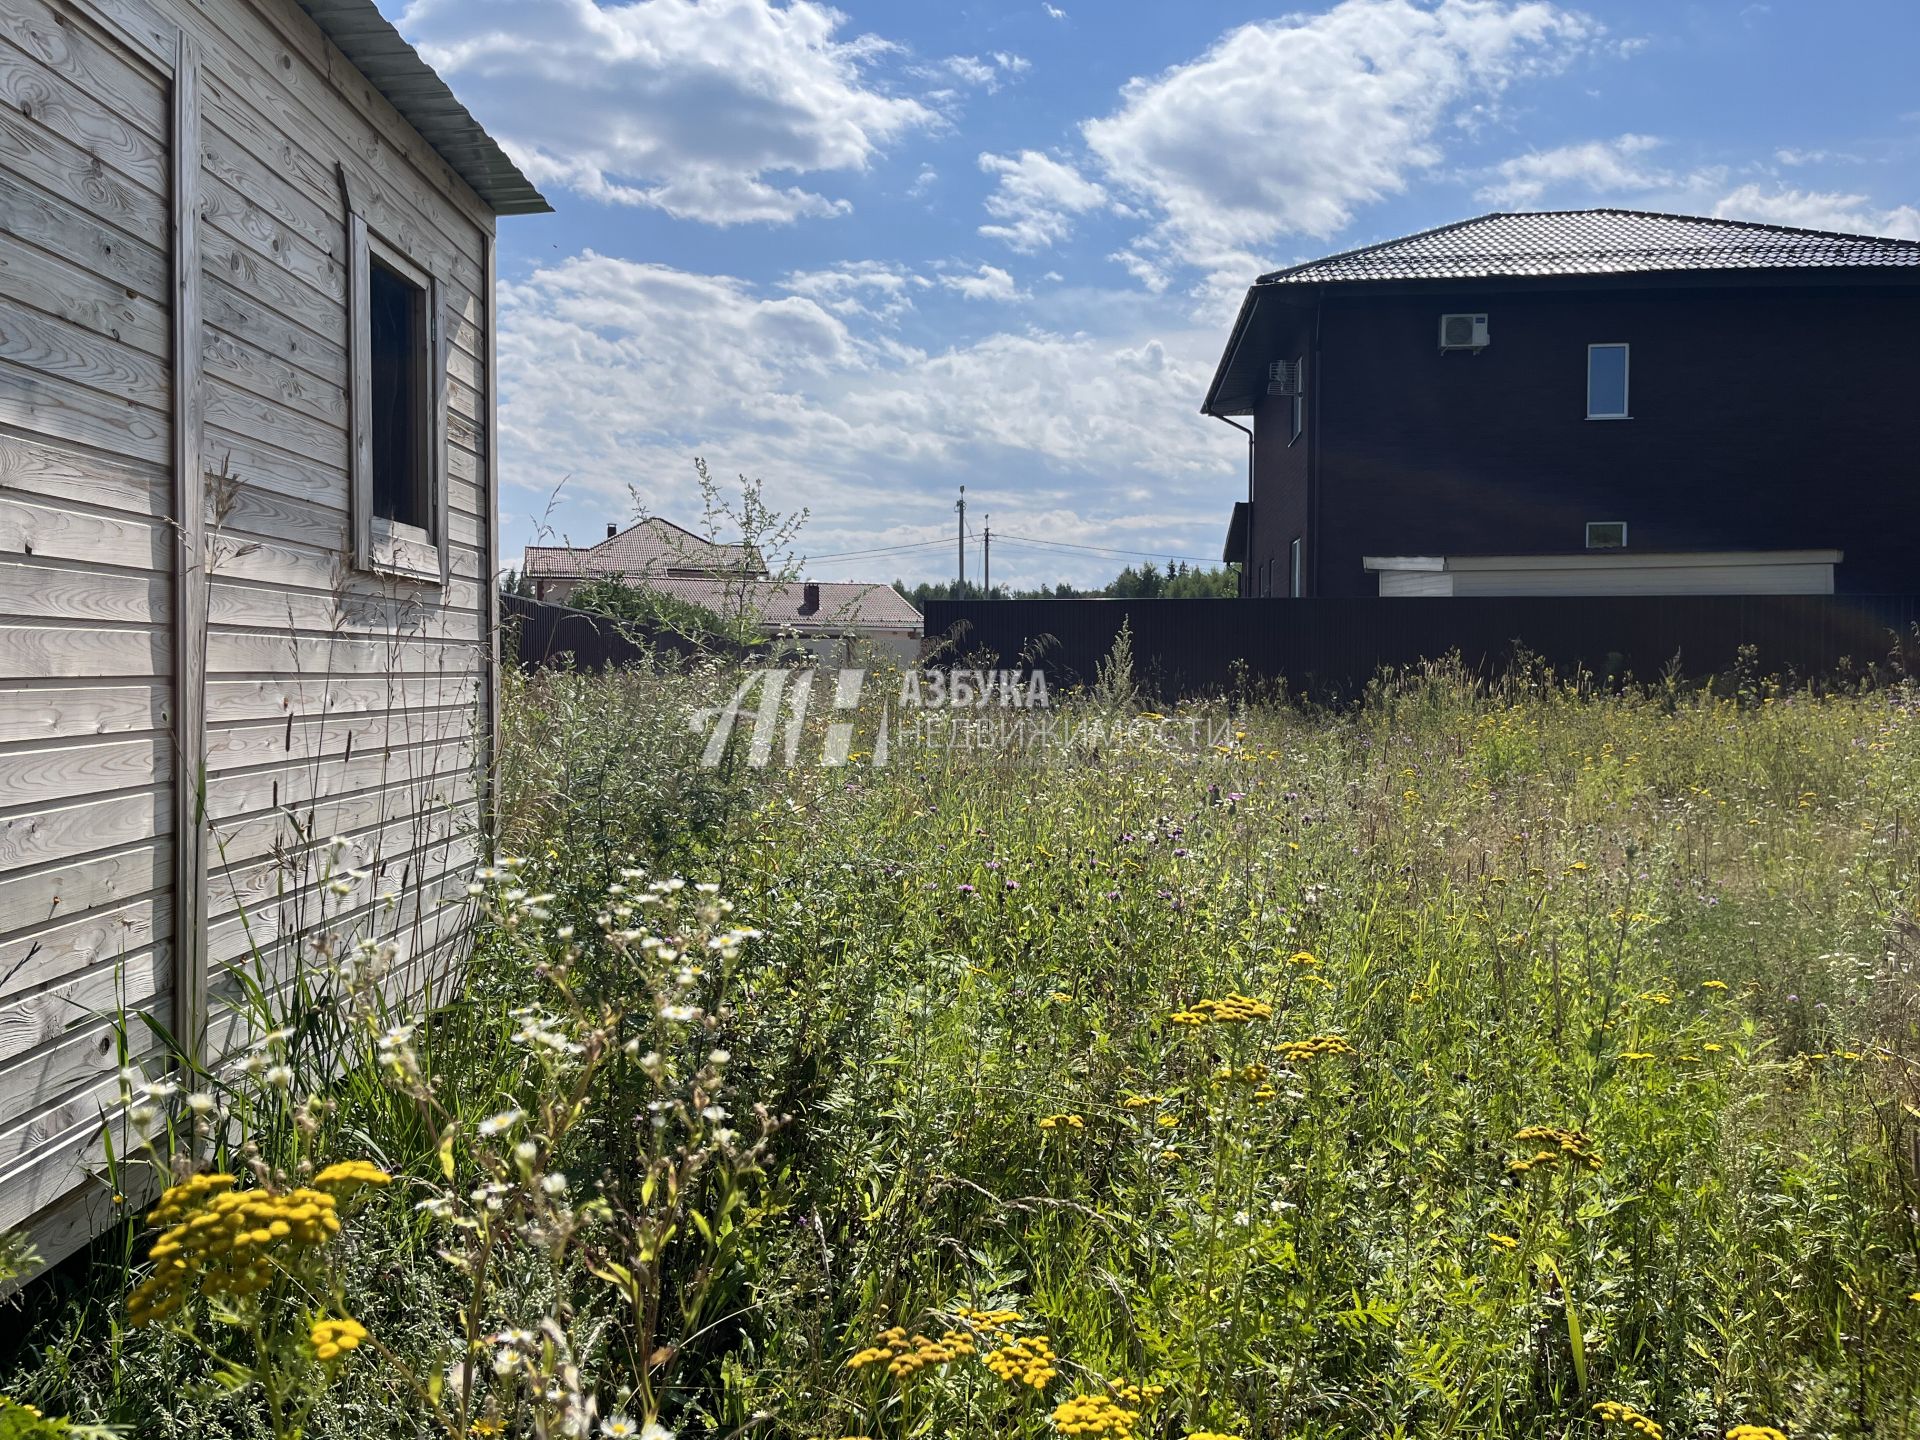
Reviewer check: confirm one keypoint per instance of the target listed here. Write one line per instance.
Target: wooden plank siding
(197, 688)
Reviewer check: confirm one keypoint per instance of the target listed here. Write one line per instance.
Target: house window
(1606, 535)
(1293, 568)
(397, 326)
(1297, 415)
(1607, 382)
(397, 394)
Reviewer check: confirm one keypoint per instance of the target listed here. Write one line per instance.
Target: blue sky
(872, 252)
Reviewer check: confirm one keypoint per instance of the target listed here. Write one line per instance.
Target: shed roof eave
(358, 30)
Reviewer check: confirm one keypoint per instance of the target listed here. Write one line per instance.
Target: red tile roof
(840, 604)
(651, 547)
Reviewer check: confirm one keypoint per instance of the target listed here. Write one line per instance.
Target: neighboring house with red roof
(652, 548)
(1581, 402)
(829, 617)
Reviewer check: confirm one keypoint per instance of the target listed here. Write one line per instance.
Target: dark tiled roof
(1597, 242)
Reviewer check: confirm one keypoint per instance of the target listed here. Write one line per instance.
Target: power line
(1103, 549)
(877, 550)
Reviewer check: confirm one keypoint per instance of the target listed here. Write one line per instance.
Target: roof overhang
(1240, 380)
(1235, 549)
(410, 85)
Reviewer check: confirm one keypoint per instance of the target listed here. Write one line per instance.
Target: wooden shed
(247, 500)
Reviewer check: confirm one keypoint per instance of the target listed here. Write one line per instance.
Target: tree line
(1178, 581)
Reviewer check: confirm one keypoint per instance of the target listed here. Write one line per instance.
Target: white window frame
(1623, 534)
(1293, 567)
(382, 546)
(1297, 411)
(1626, 379)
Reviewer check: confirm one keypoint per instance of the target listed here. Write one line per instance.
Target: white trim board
(1613, 572)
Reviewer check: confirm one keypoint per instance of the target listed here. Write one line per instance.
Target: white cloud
(1035, 198)
(1054, 12)
(1146, 271)
(989, 282)
(702, 108)
(987, 73)
(1286, 127)
(616, 373)
(871, 288)
(973, 70)
(923, 182)
(1819, 210)
(1615, 165)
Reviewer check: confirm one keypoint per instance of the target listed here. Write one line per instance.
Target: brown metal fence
(542, 635)
(1330, 649)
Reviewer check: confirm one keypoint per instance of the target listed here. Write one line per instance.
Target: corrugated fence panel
(1329, 649)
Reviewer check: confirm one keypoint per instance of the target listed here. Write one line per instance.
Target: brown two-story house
(1581, 402)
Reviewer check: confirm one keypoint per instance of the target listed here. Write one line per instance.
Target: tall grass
(1474, 1063)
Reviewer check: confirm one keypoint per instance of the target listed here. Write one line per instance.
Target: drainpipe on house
(1246, 560)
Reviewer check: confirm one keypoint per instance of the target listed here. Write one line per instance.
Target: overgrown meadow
(1480, 1062)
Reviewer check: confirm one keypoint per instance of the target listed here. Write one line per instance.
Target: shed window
(397, 327)
(398, 392)
(1607, 382)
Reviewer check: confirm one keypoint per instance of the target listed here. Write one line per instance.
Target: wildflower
(1505, 1242)
(220, 1241)
(619, 1427)
(654, 1430)
(1571, 1145)
(1209, 1435)
(349, 1175)
(333, 1338)
(1303, 957)
(1754, 1432)
(1612, 1412)
(1094, 1415)
(1298, 1052)
(1714, 985)
(505, 1120)
(279, 1076)
(1234, 1009)
(1062, 1122)
(1027, 1362)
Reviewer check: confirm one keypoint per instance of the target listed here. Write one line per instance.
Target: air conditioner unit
(1283, 378)
(1463, 332)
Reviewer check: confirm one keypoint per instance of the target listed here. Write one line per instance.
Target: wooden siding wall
(337, 704)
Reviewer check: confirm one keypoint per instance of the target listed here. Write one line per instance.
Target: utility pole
(961, 593)
(986, 559)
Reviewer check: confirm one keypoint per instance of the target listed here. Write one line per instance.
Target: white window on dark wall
(1293, 569)
(1607, 382)
(397, 393)
(1297, 417)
